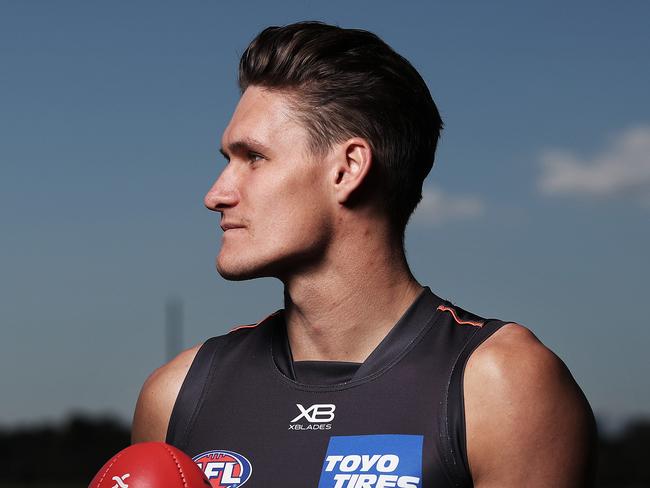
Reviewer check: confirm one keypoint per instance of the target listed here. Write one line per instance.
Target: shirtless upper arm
(527, 421)
(157, 397)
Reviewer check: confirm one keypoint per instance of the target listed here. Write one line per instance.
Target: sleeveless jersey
(396, 420)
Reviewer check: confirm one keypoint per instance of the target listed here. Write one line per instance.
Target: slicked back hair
(346, 83)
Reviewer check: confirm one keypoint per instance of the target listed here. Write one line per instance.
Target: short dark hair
(348, 82)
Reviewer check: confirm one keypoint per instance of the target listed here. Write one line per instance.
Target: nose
(223, 194)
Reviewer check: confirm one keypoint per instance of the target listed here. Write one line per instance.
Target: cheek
(300, 212)
(311, 221)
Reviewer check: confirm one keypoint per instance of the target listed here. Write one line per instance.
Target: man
(365, 379)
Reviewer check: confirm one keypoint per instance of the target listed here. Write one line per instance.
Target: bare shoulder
(527, 421)
(157, 398)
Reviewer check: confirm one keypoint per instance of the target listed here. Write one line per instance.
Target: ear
(351, 166)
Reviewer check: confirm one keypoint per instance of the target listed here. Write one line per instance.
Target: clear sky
(537, 210)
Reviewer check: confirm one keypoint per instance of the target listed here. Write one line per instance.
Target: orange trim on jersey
(243, 327)
(460, 322)
(253, 325)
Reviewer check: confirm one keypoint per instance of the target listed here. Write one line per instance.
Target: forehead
(262, 115)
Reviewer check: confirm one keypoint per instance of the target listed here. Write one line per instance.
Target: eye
(254, 157)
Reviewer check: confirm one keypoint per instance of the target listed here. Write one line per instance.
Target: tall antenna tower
(173, 326)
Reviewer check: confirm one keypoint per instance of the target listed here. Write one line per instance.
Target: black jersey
(247, 414)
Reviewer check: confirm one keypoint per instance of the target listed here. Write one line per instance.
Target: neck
(341, 309)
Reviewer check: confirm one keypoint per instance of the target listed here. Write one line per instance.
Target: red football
(150, 465)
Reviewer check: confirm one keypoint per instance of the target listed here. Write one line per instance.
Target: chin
(235, 265)
(239, 269)
(234, 273)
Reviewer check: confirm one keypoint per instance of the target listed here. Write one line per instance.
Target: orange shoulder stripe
(243, 327)
(455, 316)
(252, 326)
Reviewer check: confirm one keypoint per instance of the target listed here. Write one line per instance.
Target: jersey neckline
(411, 326)
(324, 372)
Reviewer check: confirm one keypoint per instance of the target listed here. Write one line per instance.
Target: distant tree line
(75, 450)
(624, 458)
(68, 453)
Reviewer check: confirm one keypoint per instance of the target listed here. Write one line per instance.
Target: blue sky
(537, 210)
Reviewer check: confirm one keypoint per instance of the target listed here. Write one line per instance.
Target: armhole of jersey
(190, 397)
(455, 441)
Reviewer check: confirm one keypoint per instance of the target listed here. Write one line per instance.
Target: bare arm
(528, 423)
(157, 398)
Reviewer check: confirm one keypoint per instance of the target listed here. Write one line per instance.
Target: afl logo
(224, 469)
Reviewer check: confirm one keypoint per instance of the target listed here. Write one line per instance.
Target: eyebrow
(243, 146)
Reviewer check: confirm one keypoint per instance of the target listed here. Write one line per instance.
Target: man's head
(333, 126)
(348, 82)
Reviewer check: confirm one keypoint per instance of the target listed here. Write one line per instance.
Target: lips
(230, 225)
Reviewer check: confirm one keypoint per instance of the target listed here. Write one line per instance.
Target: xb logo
(319, 413)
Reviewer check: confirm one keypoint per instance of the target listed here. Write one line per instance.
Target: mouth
(226, 226)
